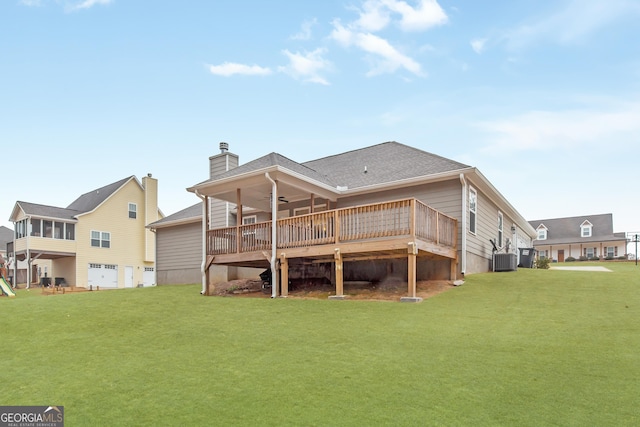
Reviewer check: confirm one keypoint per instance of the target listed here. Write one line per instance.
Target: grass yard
(526, 348)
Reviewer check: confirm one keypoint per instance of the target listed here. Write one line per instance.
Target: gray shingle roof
(44, 211)
(385, 162)
(85, 203)
(272, 159)
(567, 230)
(91, 200)
(192, 212)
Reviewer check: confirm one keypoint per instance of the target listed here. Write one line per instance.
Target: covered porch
(401, 229)
(302, 218)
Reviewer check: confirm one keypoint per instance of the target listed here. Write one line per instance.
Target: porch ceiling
(35, 254)
(255, 189)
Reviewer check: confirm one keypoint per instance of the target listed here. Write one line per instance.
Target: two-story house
(99, 240)
(589, 237)
(360, 215)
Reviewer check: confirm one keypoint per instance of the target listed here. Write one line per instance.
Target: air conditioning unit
(505, 262)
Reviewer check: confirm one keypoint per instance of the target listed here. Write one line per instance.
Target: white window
(586, 229)
(542, 234)
(590, 252)
(473, 209)
(610, 251)
(249, 219)
(100, 239)
(542, 254)
(500, 228)
(133, 210)
(306, 210)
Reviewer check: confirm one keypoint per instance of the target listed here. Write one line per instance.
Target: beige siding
(151, 214)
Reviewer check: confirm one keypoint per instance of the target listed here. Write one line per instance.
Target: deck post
(411, 277)
(284, 275)
(337, 256)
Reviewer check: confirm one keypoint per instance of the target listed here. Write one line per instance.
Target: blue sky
(542, 96)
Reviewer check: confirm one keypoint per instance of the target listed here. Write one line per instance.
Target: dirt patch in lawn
(391, 289)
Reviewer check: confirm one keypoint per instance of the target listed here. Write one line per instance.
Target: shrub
(622, 257)
(569, 259)
(582, 258)
(543, 263)
(609, 258)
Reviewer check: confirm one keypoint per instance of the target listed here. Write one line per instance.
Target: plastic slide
(6, 289)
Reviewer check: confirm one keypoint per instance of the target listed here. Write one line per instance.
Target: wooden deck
(380, 230)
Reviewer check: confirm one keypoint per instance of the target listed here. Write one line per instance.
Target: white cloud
(307, 66)
(547, 130)
(376, 15)
(478, 45)
(230, 68)
(386, 59)
(86, 4)
(31, 3)
(427, 14)
(573, 24)
(305, 30)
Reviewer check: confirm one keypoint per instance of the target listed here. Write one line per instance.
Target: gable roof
(268, 161)
(382, 163)
(185, 216)
(567, 230)
(83, 204)
(91, 200)
(45, 211)
(386, 162)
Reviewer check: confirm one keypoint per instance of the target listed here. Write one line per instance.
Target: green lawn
(526, 348)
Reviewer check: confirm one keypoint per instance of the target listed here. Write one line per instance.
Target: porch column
(337, 256)
(284, 275)
(411, 276)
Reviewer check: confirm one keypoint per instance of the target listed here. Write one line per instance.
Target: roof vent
(224, 147)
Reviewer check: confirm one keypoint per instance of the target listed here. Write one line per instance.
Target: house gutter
(204, 242)
(463, 229)
(274, 219)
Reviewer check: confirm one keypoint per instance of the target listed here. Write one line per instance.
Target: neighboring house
(179, 239)
(388, 210)
(6, 250)
(100, 239)
(6, 237)
(589, 236)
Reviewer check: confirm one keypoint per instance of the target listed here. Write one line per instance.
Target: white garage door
(103, 275)
(149, 276)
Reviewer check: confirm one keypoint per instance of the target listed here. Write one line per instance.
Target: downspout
(204, 242)
(15, 258)
(28, 259)
(274, 219)
(463, 229)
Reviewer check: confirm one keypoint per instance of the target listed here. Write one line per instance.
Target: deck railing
(408, 217)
